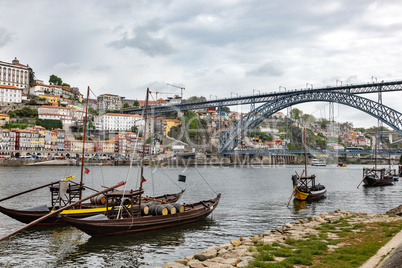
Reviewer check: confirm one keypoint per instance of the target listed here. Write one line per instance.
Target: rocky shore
(240, 252)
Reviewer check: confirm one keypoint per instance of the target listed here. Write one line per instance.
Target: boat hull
(371, 181)
(306, 195)
(87, 210)
(193, 213)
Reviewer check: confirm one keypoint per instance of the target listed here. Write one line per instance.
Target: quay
(243, 252)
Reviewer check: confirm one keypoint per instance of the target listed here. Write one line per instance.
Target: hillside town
(38, 118)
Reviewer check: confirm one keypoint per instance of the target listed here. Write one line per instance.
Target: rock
(288, 225)
(205, 255)
(244, 261)
(195, 264)
(395, 211)
(174, 265)
(226, 246)
(235, 242)
(255, 238)
(217, 259)
(231, 261)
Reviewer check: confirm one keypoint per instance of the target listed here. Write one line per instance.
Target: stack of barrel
(158, 209)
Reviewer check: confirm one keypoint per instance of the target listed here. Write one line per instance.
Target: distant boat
(342, 165)
(304, 187)
(318, 163)
(376, 177)
(373, 177)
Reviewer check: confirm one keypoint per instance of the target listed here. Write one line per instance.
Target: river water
(253, 200)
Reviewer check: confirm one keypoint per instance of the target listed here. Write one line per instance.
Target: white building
(65, 114)
(119, 122)
(10, 94)
(15, 74)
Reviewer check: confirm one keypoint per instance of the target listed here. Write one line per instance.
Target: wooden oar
(294, 188)
(364, 177)
(60, 209)
(27, 191)
(151, 199)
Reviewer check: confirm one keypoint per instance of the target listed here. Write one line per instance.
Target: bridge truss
(229, 139)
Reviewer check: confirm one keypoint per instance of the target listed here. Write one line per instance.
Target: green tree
(308, 118)
(225, 109)
(196, 99)
(55, 80)
(32, 102)
(31, 77)
(126, 105)
(296, 113)
(136, 103)
(49, 124)
(134, 129)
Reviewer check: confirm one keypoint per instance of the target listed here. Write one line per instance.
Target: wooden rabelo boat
(304, 186)
(65, 192)
(95, 207)
(376, 177)
(137, 217)
(126, 214)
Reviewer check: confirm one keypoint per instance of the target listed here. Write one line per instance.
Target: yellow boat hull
(299, 195)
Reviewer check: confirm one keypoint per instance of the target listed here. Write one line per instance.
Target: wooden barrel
(156, 210)
(171, 209)
(127, 202)
(144, 209)
(179, 207)
(98, 200)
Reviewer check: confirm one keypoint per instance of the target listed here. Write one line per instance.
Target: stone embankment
(239, 252)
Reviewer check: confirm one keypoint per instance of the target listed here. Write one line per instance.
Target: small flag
(182, 178)
(87, 170)
(143, 179)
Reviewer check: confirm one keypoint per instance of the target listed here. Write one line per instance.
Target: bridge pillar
(390, 138)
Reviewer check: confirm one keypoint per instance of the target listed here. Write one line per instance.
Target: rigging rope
(205, 181)
(169, 178)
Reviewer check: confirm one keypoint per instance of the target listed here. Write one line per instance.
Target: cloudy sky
(212, 48)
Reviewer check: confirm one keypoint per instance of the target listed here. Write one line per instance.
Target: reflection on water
(253, 201)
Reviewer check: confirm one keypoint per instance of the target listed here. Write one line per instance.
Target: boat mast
(143, 148)
(83, 145)
(305, 153)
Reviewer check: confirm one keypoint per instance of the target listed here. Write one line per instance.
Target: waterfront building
(14, 74)
(109, 102)
(22, 139)
(10, 94)
(118, 122)
(60, 139)
(5, 139)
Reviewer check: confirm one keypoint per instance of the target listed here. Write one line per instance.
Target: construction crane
(181, 88)
(158, 92)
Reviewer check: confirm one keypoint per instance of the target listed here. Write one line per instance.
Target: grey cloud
(5, 37)
(146, 39)
(267, 69)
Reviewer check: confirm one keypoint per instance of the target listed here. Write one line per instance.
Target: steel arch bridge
(229, 139)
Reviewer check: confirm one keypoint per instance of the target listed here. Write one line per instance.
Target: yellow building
(171, 123)
(4, 118)
(51, 98)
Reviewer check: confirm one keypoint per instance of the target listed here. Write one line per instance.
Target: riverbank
(330, 239)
